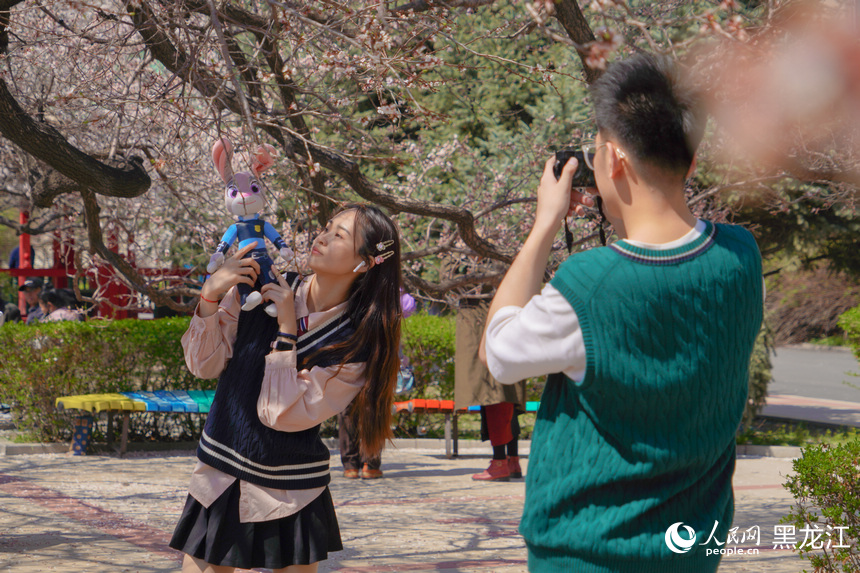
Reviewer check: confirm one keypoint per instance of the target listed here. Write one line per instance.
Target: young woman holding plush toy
(258, 496)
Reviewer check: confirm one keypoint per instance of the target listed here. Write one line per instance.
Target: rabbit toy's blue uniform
(244, 198)
(253, 230)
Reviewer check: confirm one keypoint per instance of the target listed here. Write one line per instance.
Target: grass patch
(831, 341)
(25, 438)
(768, 432)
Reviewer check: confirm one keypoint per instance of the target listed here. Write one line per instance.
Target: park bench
(446, 407)
(125, 403)
(199, 402)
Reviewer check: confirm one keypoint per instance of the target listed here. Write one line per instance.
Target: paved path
(815, 384)
(105, 514)
(813, 371)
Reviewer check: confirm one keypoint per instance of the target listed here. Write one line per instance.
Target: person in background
(54, 304)
(32, 288)
(500, 403)
(11, 312)
(15, 258)
(355, 465)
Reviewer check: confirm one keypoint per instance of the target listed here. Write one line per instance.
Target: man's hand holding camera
(557, 199)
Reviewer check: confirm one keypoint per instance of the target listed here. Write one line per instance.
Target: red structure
(103, 279)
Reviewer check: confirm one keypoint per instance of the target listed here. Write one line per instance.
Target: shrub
(826, 517)
(39, 363)
(849, 321)
(759, 378)
(429, 344)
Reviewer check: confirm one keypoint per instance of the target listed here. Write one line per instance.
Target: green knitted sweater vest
(647, 439)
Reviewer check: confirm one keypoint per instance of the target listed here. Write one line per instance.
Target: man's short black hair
(643, 105)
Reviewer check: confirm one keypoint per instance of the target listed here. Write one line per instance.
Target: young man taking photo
(646, 343)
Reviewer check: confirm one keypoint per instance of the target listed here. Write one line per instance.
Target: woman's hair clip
(380, 258)
(382, 245)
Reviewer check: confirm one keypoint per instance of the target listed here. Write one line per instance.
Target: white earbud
(358, 267)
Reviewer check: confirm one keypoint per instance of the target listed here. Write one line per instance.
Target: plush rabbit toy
(244, 198)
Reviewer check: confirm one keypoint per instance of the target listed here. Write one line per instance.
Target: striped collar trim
(312, 338)
(670, 256)
(309, 339)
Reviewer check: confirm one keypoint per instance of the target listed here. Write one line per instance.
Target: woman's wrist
(204, 298)
(209, 294)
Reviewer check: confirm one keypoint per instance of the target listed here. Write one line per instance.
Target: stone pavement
(100, 513)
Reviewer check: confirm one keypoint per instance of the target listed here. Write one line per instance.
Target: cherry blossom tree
(442, 113)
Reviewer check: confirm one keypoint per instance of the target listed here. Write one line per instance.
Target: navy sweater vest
(234, 439)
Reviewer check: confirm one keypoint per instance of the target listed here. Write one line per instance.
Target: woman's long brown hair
(375, 311)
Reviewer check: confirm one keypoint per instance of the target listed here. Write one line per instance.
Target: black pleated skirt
(215, 534)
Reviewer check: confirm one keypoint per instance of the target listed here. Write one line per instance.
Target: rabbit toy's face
(244, 192)
(244, 195)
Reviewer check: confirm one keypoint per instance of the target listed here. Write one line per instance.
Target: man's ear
(616, 164)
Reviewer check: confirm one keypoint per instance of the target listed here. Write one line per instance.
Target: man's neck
(656, 216)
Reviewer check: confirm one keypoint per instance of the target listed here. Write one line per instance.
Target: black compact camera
(584, 177)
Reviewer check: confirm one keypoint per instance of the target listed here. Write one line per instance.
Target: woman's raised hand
(235, 270)
(281, 295)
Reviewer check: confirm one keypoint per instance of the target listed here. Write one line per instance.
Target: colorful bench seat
(446, 407)
(175, 401)
(435, 406)
(191, 401)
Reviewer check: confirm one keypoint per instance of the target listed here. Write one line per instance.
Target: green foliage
(769, 433)
(39, 363)
(849, 321)
(477, 132)
(801, 222)
(759, 377)
(429, 345)
(826, 488)
(42, 362)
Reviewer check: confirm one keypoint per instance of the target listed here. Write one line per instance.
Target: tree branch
(425, 5)
(128, 272)
(42, 141)
(441, 288)
(574, 23)
(179, 63)
(47, 144)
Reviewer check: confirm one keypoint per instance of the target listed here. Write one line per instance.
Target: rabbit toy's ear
(222, 156)
(263, 159)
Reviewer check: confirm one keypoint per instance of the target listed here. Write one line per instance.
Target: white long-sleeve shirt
(544, 336)
(290, 400)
